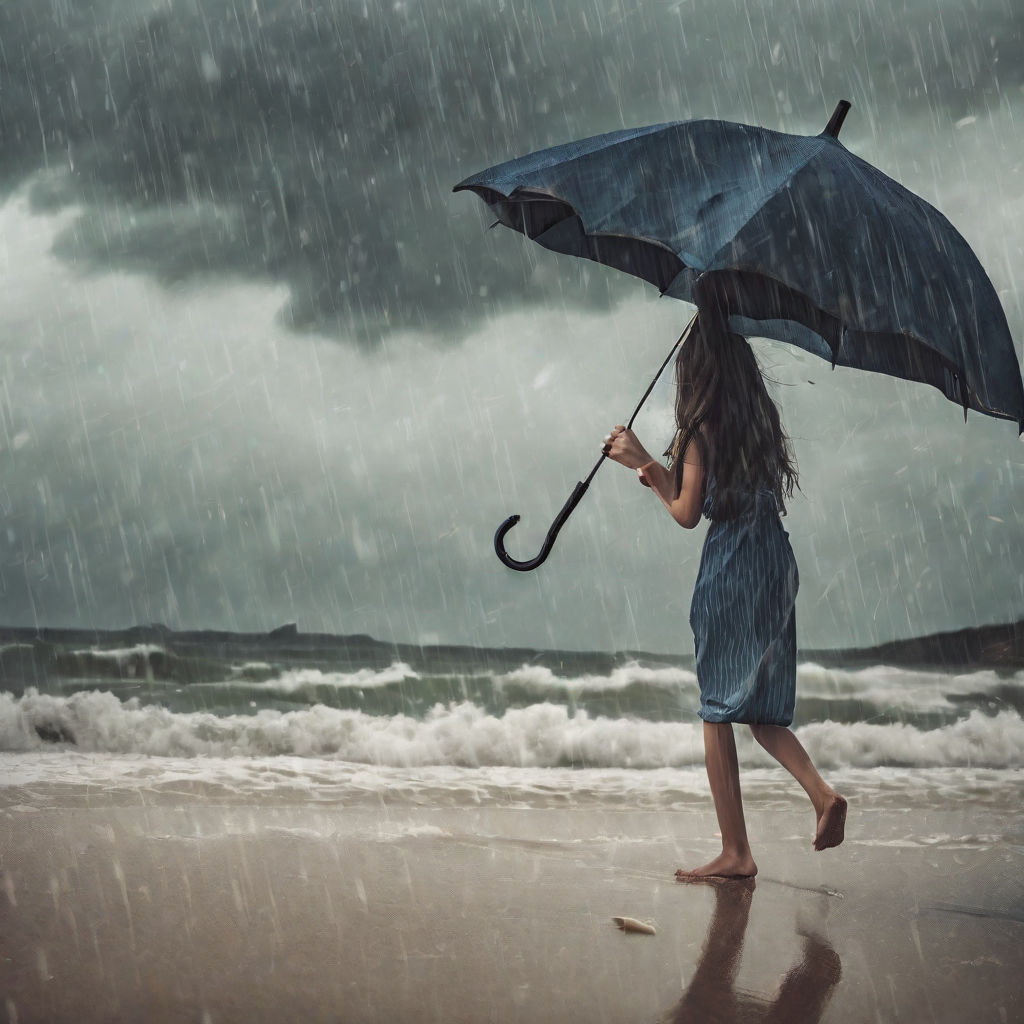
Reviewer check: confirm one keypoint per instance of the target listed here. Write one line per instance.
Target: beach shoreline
(181, 907)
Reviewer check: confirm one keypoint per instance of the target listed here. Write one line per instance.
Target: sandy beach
(183, 907)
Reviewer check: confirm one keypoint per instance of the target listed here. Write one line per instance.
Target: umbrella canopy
(789, 237)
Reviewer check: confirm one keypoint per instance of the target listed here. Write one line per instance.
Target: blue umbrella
(780, 236)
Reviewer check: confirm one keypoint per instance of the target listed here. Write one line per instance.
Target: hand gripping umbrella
(780, 236)
(578, 491)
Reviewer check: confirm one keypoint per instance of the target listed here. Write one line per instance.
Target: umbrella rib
(778, 188)
(748, 268)
(525, 196)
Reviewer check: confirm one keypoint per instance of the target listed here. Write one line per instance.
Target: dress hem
(742, 720)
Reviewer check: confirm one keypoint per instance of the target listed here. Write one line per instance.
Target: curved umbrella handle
(549, 541)
(578, 491)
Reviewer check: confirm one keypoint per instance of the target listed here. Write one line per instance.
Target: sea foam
(297, 680)
(540, 679)
(461, 733)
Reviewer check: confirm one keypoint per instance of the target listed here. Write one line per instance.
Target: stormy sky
(261, 365)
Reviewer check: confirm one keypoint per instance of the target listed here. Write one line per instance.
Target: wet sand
(193, 910)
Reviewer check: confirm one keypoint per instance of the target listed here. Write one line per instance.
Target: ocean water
(449, 726)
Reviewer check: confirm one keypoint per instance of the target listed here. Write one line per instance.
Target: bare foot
(725, 865)
(831, 823)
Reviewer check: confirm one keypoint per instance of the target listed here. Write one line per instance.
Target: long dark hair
(723, 405)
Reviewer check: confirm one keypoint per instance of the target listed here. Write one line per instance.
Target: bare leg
(829, 806)
(735, 860)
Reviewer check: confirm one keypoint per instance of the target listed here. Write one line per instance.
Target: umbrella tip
(835, 122)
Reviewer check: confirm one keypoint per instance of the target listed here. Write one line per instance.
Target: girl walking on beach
(730, 462)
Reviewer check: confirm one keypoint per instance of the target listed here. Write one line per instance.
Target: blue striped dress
(743, 616)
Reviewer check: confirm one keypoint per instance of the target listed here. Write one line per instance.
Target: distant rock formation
(988, 646)
(288, 629)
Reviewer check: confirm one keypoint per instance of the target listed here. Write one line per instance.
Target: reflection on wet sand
(712, 998)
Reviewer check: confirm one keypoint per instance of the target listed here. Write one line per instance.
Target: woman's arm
(624, 447)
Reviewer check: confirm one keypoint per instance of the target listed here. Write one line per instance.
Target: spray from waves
(464, 734)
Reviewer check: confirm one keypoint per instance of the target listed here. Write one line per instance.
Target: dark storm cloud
(316, 143)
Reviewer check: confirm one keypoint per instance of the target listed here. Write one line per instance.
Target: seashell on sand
(631, 924)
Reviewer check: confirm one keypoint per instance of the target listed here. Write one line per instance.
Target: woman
(730, 461)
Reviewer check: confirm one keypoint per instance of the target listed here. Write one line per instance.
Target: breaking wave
(465, 734)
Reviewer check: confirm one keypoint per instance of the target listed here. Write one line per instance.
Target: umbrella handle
(549, 541)
(578, 491)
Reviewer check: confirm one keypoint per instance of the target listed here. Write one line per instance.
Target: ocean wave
(120, 655)
(541, 680)
(463, 734)
(918, 690)
(299, 679)
(459, 734)
(979, 740)
(639, 687)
